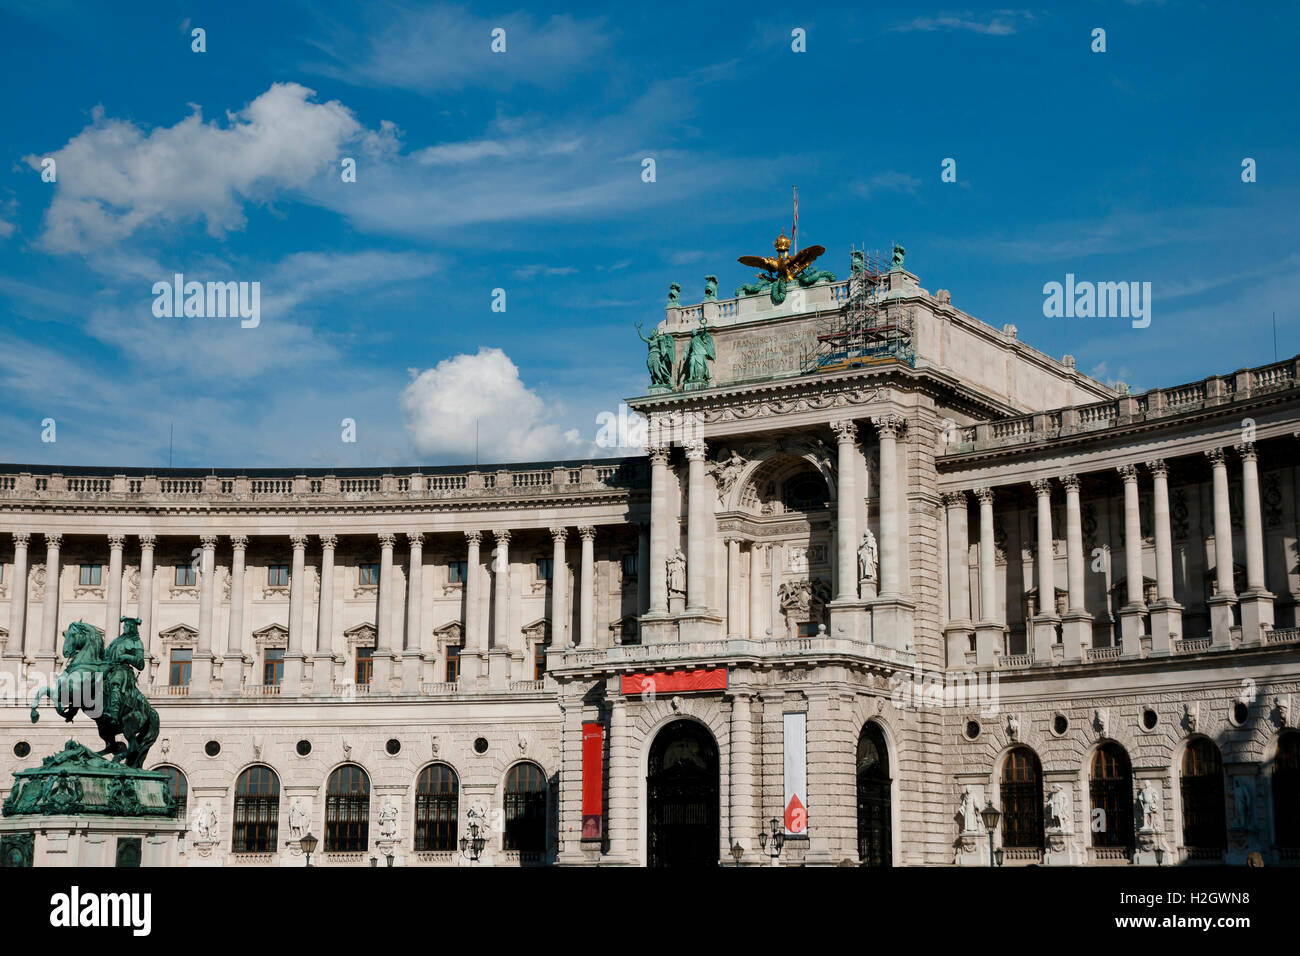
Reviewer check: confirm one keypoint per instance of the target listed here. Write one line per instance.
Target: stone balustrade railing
(719, 652)
(614, 474)
(1128, 409)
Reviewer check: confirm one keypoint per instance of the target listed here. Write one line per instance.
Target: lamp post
(737, 851)
(472, 845)
(308, 845)
(991, 815)
(778, 840)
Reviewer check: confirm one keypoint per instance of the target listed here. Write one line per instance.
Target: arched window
(1112, 793)
(875, 843)
(257, 811)
(1286, 792)
(525, 806)
(1022, 800)
(347, 810)
(437, 793)
(179, 786)
(1204, 827)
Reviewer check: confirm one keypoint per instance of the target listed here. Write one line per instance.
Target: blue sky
(522, 171)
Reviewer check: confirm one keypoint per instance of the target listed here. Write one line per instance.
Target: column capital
(559, 533)
(415, 538)
(732, 537)
(22, 538)
(1246, 450)
(53, 539)
(1158, 468)
(695, 449)
(299, 541)
(473, 537)
(587, 532)
(1128, 473)
(1069, 482)
(148, 541)
(846, 432)
(985, 495)
(1216, 458)
(115, 541)
(238, 542)
(330, 541)
(387, 539)
(889, 426)
(1042, 487)
(658, 454)
(954, 499)
(501, 535)
(209, 541)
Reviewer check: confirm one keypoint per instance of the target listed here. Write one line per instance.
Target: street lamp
(778, 840)
(737, 851)
(472, 845)
(374, 861)
(991, 815)
(308, 845)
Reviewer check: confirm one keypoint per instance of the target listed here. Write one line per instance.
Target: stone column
(1045, 621)
(559, 591)
(957, 631)
(144, 606)
(1222, 603)
(756, 591)
(50, 608)
(1076, 625)
(235, 632)
(733, 586)
(587, 599)
(113, 589)
(17, 647)
(697, 549)
(475, 645)
(846, 499)
(201, 669)
(887, 429)
(1166, 613)
(294, 655)
(1134, 611)
(411, 660)
(989, 631)
(323, 671)
(744, 824)
(381, 676)
(658, 569)
(499, 651)
(1256, 602)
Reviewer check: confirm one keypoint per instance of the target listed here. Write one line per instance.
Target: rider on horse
(123, 658)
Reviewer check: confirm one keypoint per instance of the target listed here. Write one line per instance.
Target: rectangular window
(179, 675)
(273, 665)
(456, 572)
(453, 664)
(544, 569)
(90, 575)
(185, 576)
(369, 574)
(629, 565)
(277, 576)
(365, 665)
(539, 661)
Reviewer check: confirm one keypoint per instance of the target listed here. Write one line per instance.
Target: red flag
(794, 229)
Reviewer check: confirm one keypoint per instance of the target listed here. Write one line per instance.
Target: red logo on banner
(796, 816)
(676, 682)
(593, 764)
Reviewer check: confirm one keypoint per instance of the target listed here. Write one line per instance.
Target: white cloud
(6, 229)
(115, 178)
(444, 404)
(889, 181)
(998, 23)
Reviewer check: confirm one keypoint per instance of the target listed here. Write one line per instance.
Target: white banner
(796, 774)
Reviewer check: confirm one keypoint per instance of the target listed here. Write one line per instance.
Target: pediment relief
(179, 635)
(273, 635)
(361, 635)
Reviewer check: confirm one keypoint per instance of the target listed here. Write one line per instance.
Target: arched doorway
(875, 838)
(1022, 804)
(682, 795)
(1111, 788)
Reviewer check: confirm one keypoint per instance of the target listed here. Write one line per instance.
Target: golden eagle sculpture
(784, 266)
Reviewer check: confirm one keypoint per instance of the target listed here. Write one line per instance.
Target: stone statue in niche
(677, 572)
(868, 557)
(1148, 798)
(205, 824)
(1058, 809)
(388, 820)
(297, 821)
(1243, 801)
(970, 817)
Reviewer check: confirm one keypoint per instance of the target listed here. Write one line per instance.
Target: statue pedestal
(849, 620)
(90, 841)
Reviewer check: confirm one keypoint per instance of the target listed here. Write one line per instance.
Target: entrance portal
(682, 796)
(875, 841)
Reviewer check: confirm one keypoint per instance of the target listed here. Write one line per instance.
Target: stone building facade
(853, 603)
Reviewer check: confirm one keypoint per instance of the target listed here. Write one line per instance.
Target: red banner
(593, 781)
(659, 683)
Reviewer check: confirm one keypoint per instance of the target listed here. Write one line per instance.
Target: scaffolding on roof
(869, 329)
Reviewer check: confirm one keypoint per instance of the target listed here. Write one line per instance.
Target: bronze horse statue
(103, 686)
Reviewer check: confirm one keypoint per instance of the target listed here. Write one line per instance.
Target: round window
(394, 746)
(304, 748)
(212, 748)
(1149, 719)
(1240, 713)
(972, 729)
(22, 749)
(1060, 724)
(480, 745)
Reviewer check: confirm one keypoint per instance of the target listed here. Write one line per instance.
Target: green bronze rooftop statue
(103, 685)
